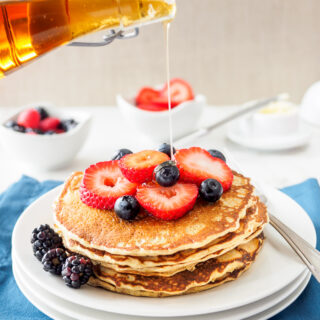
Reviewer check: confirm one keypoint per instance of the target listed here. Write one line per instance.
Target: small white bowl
(46, 152)
(277, 119)
(155, 124)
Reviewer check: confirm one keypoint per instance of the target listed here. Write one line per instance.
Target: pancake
(207, 274)
(147, 235)
(167, 265)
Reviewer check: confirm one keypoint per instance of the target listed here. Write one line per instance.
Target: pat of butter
(276, 119)
(278, 107)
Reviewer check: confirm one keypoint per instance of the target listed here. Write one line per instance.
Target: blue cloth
(13, 305)
(307, 306)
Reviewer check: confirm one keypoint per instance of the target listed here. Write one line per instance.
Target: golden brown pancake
(147, 235)
(206, 275)
(167, 265)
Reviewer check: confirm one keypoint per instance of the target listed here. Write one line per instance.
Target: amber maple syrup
(31, 28)
(166, 25)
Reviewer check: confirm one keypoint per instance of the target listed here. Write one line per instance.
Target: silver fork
(309, 255)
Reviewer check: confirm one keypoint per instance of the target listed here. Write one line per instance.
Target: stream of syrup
(166, 34)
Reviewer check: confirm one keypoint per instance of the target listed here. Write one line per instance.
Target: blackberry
(76, 271)
(53, 260)
(43, 239)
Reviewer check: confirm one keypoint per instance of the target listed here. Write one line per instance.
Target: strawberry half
(167, 203)
(196, 164)
(103, 183)
(138, 167)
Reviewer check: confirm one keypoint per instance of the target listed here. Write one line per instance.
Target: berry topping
(120, 153)
(210, 190)
(49, 123)
(33, 131)
(167, 203)
(50, 132)
(166, 148)
(67, 125)
(167, 173)
(196, 164)
(138, 167)
(127, 207)
(103, 183)
(29, 118)
(180, 90)
(10, 124)
(146, 95)
(18, 128)
(217, 154)
(43, 239)
(53, 260)
(76, 271)
(43, 112)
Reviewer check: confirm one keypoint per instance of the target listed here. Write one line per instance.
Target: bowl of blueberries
(43, 137)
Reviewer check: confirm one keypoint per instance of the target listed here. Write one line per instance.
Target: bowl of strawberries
(148, 111)
(44, 138)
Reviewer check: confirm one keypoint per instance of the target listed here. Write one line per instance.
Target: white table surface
(110, 132)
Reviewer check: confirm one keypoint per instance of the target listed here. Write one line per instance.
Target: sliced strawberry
(180, 90)
(103, 183)
(162, 101)
(29, 118)
(167, 203)
(49, 123)
(146, 95)
(151, 107)
(196, 164)
(138, 167)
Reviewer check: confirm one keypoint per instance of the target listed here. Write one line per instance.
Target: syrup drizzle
(166, 34)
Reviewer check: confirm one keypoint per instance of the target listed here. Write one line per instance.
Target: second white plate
(276, 267)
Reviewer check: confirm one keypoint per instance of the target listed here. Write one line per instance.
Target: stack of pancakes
(210, 245)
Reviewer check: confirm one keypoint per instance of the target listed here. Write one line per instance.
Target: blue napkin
(13, 305)
(307, 306)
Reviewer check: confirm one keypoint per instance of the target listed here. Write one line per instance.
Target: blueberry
(120, 153)
(67, 125)
(217, 154)
(167, 174)
(10, 124)
(127, 207)
(43, 112)
(210, 190)
(19, 128)
(165, 148)
(37, 131)
(50, 132)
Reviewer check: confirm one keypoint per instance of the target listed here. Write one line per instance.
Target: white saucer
(247, 139)
(61, 309)
(275, 268)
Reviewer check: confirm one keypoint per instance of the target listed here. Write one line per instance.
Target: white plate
(249, 140)
(55, 306)
(83, 313)
(276, 266)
